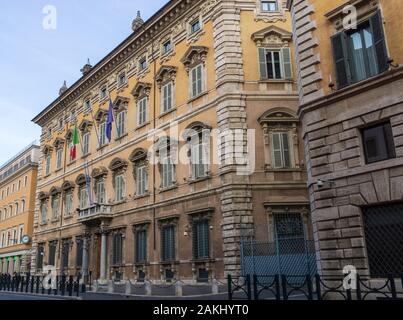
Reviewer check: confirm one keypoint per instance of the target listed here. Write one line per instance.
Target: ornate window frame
(81, 182)
(141, 91)
(172, 146)
(44, 203)
(55, 194)
(118, 166)
(67, 188)
(192, 37)
(271, 16)
(121, 105)
(139, 158)
(99, 175)
(164, 222)
(164, 76)
(137, 227)
(193, 57)
(281, 120)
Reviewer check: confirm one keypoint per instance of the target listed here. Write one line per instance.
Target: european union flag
(109, 121)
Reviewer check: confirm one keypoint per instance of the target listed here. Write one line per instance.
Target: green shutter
(340, 56)
(379, 41)
(262, 63)
(287, 65)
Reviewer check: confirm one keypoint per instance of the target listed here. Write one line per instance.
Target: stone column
(16, 264)
(103, 256)
(84, 270)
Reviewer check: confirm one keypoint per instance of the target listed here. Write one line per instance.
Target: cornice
(138, 39)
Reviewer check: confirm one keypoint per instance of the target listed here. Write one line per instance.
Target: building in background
(351, 107)
(17, 204)
(105, 208)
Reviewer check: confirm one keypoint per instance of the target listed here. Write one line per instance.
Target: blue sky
(34, 61)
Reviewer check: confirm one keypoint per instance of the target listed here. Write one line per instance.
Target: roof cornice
(122, 52)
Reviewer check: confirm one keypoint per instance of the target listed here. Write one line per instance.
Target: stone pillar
(103, 266)
(11, 265)
(17, 264)
(84, 269)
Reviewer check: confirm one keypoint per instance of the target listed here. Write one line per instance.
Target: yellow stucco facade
(17, 203)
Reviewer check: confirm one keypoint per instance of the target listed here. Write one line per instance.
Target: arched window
(22, 206)
(16, 209)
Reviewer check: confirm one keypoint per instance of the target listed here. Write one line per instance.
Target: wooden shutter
(277, 150)
(287, 65)
(262, 63)
(379, 41)
(286, 150)
(341, 59)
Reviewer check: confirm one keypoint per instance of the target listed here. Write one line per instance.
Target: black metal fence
(63, 285)
(287, 287)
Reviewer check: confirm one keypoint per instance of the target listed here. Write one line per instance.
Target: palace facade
(349, 70)
(17, 203)
(205, 148)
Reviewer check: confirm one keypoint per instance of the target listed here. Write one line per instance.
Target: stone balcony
(95, 212)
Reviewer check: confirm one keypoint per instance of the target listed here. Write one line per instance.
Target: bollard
(178, 289)
(128, 287)
(214, 287)
(148, 288)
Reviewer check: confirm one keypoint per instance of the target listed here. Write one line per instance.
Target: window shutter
(379, 41)
(262, 63)
(286, 150)
(277, 150)
(287, 65)
(341, 60)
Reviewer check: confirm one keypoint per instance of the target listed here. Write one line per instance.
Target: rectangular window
(102, 134)
(119, 188)
(167, 172)
(121, 123)
(59, 156)
(44, 212)
(196, 80)
(280, 150)
(122, 79)
(199, 160)
(141, 176)
(195, 26)
(86, 143)
(167, 97)
(201, 241)
(25, 181)
(141, 246)
(39, 256)
(142, 111)
(52, 253)
(383, 228)
(55, 207)
(84, 198)
(100, 192)
(269, 6)
(378, 143)
(168, 243)
(103, 93)
(69, 203)
(167, 47)
(87, 105)
(117, 253)
(65, 254)
(360, 53)
(47, 167)
(275, 64)
(79, 252)
(142, 64)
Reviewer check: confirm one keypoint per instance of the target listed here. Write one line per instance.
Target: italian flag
(74, 143)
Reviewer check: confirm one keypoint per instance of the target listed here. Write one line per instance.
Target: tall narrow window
(102, 134)
(196, 80)
(167, 98)
(141, 246)
(44, 212)
(121, 123)
(39, 256)
(84, 198)
(141, 176)
(201, 241)
(86, 143)
(142, 111)
(52, 253)
(281, 150)
(20, 233)
(199, 145)
(55, 207)
(168, 243)
(119, 188)
(117, 249)
(100, 192)
(69, 203)
(275, 64)
(65, 254)
(79, 251)
(59, 157)
(47, 166)
(167, 171)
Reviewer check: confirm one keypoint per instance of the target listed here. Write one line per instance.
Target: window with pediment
(59, 145)
(197, 136)
(119, 166)
(274, 53)
(194, 61)
(120, 109)
(166, 150)
(99, 177)
(55, 194)
(165, 79)
(280, 133)
(85, 129)
(47, 152)
(83, 184)
(101, 117)
(43, 208)
(141, 93)
(140, 171)
(67, 190)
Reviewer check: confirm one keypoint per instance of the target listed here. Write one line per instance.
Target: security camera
(319, 183)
